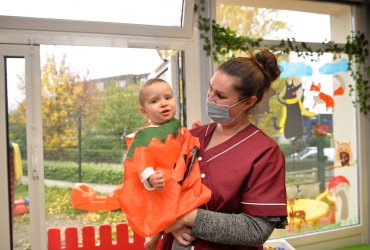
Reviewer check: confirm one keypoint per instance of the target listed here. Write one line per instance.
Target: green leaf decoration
(221, 43)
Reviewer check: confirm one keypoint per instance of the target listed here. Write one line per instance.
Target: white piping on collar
(233, 146)
(263, 204)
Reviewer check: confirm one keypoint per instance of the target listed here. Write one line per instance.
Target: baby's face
(160, 104)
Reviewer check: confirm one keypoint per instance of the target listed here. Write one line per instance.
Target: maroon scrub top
(246, 174)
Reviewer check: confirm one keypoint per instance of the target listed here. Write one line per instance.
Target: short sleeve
(264, 193)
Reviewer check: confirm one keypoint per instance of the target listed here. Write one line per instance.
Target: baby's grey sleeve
(232, 229)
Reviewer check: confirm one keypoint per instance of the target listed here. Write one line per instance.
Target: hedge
(106, 173)
(90, 173)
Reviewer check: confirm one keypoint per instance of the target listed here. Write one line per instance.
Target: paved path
(101, 188)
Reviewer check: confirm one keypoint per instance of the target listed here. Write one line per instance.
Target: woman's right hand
(183, 235)
(186, 221)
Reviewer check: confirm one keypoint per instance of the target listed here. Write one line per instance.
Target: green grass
(58, 204)
(357, 247)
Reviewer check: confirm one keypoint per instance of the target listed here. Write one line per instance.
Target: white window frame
(19, 35)
(198, 70)
(31, 54)
(345, 236)
(55, 25)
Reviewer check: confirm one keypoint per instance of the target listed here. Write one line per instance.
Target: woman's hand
(181, 228)
(185, 221)
(183, 236)
(196, 124)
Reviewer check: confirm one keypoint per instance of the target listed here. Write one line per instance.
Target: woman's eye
(215, 93)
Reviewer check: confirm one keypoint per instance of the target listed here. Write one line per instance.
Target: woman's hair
(256, 73)
(146, 84)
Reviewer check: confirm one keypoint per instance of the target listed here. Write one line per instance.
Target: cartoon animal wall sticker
(344, 153)
(291, 125)
(322, 97)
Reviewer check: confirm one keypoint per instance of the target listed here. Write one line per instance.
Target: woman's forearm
(232, 229)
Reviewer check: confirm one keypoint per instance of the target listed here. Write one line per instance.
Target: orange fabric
(150, 211)
(85, 198)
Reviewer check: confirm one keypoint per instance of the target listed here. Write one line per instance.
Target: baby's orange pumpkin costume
(172, 149)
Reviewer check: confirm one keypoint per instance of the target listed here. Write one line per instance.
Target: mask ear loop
(238, 102)
(245, 99)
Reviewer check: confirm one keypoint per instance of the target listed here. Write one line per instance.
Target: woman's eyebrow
(217, 91)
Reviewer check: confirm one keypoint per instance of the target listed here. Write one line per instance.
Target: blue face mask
(220, 113)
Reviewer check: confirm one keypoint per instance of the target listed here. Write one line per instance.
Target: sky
(15, 68)
(104, 62)
(94, 62)
(304, 26)
(159, 12)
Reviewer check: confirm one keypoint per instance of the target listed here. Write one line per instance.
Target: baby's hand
(156, 180)
(195, 124)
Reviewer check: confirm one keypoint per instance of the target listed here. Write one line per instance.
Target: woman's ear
(250, 102)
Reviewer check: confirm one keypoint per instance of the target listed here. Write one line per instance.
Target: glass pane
(89, 104)
(159, 12)
(311, 115)
(301, 26)
(274, 24)
(15, 79)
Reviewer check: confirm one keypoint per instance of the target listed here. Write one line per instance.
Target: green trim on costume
(144, 136)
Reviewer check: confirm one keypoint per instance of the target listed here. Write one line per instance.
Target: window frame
(58, 25)
(348, 235)
(199, 69)
(34, 146)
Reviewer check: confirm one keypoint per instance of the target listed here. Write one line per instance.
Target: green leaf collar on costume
(144, 136)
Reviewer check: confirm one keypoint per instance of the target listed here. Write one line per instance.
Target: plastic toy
(85, 198)
(20, 206)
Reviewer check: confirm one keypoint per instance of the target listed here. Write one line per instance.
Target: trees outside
(60, 105)
(73, 106)
(249, 21)
(119, 111)
(17, 116)
(17, 126)
(256, 23)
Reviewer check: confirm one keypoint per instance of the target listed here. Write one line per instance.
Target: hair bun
(268, 61)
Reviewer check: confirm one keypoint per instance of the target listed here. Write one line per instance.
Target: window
(89, 103)
(160, 12)
(275, 24)
(318, 148)
(160, 18)
(309, 113)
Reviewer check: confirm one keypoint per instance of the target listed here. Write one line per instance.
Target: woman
(244, 168)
